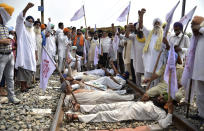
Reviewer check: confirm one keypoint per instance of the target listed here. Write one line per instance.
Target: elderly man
(180, 48)
(152, 48)
(6, 55)
(27, 50)
(197, 26)
(38, 38)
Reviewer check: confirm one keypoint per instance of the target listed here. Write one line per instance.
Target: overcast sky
(103, 12)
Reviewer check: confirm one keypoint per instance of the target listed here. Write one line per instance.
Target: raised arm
(29, 5)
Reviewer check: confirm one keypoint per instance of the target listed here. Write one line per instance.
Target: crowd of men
(101, 63)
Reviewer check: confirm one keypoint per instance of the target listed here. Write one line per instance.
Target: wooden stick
(60, 73)
(155, 67)
(92, 86)
(169, 89)
(189, 98)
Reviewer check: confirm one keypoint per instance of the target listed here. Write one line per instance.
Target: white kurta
(92, 48)
(26, 46)
(51, 45)
(150, 57)
(121, 111)
(98, 97)
(139, 66)
(105, 43)
(198, 71)
(39, 46)
(184, 44)
(62, 45)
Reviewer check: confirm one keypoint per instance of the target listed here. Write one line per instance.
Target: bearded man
(152, 48)
(38, 38)
(27, 51)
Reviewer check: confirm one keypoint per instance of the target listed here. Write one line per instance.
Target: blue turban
(30, 17)
(180, 25)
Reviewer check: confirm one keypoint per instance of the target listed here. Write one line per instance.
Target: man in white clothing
(105, 43)
(27, 50)
(121, 111)
(197, 26)
(62, 48)
(50, 39)
(152, 48)
(180, 48)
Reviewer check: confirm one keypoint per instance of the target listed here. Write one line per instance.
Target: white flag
(169, 17)
(184, 20)
(47, 67)
(123, 15)
(78, 14)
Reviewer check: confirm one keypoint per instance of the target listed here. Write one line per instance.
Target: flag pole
(169, 89)
(59, 72)
(84, 17)
(189, 98)
(126, 29)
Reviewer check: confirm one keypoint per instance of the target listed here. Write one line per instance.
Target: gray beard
(37, 30)
(156, 30)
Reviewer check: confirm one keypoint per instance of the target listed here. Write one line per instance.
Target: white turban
(157, 20)
(6, 12)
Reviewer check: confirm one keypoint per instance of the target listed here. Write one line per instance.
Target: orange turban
(198, 20)
(43, 26)
(66, 30)
(9, 9)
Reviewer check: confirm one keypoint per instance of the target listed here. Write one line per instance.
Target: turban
(6, 12)
(66, 30)
(43, 26)
(10, 28)
(198, 20)
(30, 17)
(180, 25)
(73, 47)
(157, 20)
(37, 22)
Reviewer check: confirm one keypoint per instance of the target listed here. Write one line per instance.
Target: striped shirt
(4, 34)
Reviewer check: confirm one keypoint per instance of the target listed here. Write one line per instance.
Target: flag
(47, 67)
(169, 17)
(96, 55)
(188, 69)
(171, 66)
(78, 14)
(122, 16)
(184, 20)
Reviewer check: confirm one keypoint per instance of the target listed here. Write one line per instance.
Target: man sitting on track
(162, 87)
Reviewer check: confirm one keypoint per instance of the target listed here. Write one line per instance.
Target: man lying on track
(126, 110)
(113, 82)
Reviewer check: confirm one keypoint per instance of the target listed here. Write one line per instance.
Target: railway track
(179, 121)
